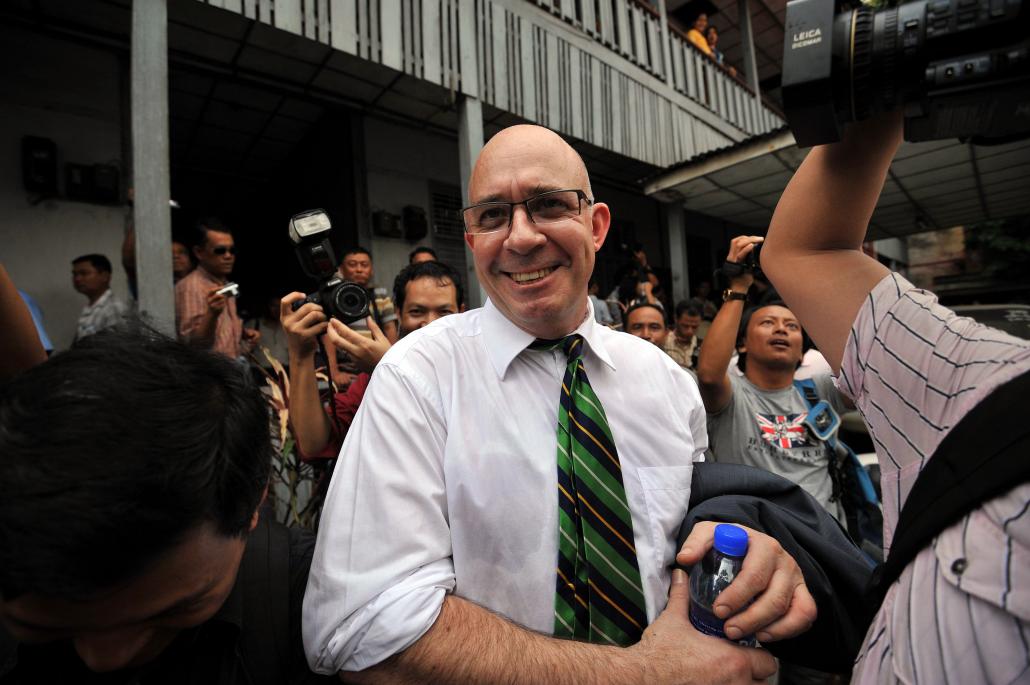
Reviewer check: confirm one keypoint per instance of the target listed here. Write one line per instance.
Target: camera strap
(984, 456)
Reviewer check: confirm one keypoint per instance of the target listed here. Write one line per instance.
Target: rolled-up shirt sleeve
(382, 563)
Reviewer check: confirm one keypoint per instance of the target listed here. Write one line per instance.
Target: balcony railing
(592, 69)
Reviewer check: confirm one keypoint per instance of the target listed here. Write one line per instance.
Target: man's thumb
(679, 593)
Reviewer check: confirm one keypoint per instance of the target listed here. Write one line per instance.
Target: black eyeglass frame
(580, 194)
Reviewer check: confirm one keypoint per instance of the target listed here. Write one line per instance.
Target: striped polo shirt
(960, 611)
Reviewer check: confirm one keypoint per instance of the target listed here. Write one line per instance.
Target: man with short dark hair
(91, 276)
(683, 345)
(422, 253)
(130, 540)
(424, 292)
(759, 418)
(647, 321)
(205, 316)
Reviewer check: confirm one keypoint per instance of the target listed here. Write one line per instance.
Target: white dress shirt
(447, 482)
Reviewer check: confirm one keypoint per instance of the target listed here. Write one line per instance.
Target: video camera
(958, 68)
(340, 299)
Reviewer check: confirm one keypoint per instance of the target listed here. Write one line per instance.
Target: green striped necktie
(598, 593)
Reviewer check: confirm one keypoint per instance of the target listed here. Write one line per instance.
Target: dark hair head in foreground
(117, 451)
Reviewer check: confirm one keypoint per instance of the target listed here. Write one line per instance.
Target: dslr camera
(340, 299)
(957, 68)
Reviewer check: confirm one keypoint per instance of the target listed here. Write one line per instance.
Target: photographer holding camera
(205, 300)
(758, 419)
(945, 402)
(423, 291)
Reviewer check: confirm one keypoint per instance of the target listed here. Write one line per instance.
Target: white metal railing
(573, 68)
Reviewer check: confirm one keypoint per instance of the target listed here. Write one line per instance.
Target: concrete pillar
(674, 221)
(150, 165)
(747, 42)
(470, 142)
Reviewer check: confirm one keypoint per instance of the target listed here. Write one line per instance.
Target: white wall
(70, 94)
(401, 163)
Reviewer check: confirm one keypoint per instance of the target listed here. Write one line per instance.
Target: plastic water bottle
(712, 575)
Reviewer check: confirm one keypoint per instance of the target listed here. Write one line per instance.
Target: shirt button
(959, 566)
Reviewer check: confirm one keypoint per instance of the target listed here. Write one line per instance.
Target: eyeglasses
(546, 208)
(222, 249)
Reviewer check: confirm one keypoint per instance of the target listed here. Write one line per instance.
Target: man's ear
(469, 241)
(600, 222)
(257, 512)
(198, 250)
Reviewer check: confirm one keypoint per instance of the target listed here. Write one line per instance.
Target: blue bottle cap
(731, 540)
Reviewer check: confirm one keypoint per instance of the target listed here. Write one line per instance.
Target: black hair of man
(209, 223)
(443, 274)
(99, 261)
(355, 249)
(640, 305)
(422, 249)
(117, 449)
(685, 308)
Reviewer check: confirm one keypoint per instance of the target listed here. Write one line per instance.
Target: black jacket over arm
(836, 572)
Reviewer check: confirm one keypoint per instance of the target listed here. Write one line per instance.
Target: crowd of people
(512, 484)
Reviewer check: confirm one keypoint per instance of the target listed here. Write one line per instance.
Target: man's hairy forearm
(830, 200)
(310, 423)
(469, 644)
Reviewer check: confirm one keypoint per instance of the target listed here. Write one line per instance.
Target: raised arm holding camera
(759, 418)
(945, 402)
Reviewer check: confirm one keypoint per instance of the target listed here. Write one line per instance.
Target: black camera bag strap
(984, 456)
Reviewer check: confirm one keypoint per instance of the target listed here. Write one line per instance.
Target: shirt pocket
(666, 495)
(977, 557)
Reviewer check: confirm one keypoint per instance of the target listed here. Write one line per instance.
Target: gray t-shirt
(765, 428)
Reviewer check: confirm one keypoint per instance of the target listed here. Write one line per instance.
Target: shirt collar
(208, 276)
(505, 341)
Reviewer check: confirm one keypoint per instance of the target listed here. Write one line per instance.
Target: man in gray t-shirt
(759, 418)
(766, 428)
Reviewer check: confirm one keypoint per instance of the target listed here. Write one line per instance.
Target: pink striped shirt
(960, 612)
(190, 306)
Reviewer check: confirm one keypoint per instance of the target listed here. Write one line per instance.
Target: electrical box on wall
(92, 183)
(39, 165)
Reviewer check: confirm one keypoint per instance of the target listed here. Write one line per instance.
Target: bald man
(460, 543)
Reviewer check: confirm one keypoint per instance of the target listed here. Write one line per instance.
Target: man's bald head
(536, 272)
(526, 140)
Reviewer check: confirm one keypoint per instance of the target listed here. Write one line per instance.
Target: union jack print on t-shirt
(784, 430)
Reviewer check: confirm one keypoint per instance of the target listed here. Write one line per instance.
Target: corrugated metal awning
(931, 185)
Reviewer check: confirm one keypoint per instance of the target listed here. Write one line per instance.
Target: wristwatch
(730, 294)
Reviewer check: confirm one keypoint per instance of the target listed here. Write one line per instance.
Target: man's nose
(112, 650)
(524, 236)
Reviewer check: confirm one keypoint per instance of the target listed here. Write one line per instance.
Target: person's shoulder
(629, 351)
(435, 341)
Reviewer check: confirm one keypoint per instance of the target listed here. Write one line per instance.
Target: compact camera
(957, 68)
(340, 299)
(230, 289)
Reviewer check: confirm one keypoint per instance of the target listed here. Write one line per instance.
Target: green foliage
(1004, 246)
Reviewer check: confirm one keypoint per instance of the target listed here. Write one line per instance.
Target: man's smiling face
(536, 274)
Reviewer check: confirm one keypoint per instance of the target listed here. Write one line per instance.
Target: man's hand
(216, 302)
(673, 651)
(366, 352)
(782, 605)
(740, 248)
(303, 326)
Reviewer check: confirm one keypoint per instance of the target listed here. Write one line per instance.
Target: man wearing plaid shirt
(204, 317)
